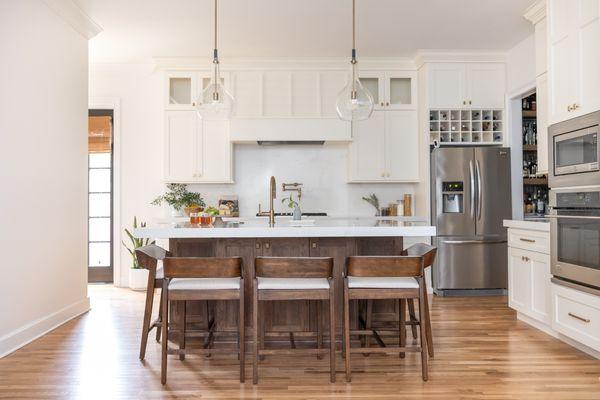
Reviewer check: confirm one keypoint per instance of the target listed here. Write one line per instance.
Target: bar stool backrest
(293, 267)
(385, 266)
(203, 267)
(149, 255)
(426, 251)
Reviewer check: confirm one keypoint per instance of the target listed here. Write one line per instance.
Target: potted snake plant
(138, 276)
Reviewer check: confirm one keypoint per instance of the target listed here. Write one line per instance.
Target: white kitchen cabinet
(366, 156)
(529, 283)
(182, 90)
(467, 85)
(196, 151)
(574, 58)
(385, 148)
(391, 90)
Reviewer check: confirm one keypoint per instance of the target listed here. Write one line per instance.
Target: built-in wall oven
(575, 234)
(574, 152)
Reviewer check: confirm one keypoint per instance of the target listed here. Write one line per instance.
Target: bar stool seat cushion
(204, 283)
(160, 272)
(356, 282)
(292, 283)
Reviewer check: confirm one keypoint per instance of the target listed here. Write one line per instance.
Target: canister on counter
(408, 205)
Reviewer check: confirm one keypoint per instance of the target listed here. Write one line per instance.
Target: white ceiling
(139, 29)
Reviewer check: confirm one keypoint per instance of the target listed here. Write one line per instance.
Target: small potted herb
(179, 198)
(138, 276)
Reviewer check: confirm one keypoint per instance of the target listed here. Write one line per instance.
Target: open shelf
(538, 181)
(466, 127)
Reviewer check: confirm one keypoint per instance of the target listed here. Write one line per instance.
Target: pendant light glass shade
(215, 101)
(354, 102)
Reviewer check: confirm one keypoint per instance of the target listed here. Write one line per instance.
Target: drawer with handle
(577, 315)
(529, 240)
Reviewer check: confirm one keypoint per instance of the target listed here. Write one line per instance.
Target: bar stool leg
(402, 325)
(261, 324)
(147, 316)
(242, 336)
(428, 331)
(182, 321)
(320, 314)
(255, 334)
(413, 317)
(160, 316)
(423, 340)
(347, 331)
(164, 327)
(368, 325)
(332, 332)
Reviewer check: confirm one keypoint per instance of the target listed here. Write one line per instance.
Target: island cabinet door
(286, 316)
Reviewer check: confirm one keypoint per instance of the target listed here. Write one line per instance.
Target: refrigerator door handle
(472, 241)
(479, 189)
(472, 183)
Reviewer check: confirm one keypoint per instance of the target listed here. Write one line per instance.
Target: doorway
(100, 196)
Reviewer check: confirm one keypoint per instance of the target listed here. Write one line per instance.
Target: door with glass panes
(100, 196)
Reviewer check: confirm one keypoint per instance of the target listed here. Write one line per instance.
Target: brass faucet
(272, 197)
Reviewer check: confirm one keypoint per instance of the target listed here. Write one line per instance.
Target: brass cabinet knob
(470, 102)
(387, 104)
(382, 104)
(569, 108)
(194, 104)
(464, 102)
(267, 245)
(314, 245)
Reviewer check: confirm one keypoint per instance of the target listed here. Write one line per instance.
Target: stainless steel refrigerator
(470, 198)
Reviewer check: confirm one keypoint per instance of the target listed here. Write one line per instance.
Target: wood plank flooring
(482, 352)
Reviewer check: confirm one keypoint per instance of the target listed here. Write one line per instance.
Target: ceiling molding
(536, 12)
(72, 14)
(323, 63)
(427, 56)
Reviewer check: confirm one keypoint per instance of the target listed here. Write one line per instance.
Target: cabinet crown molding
(536, 12)
(431, 56)
(72, 14)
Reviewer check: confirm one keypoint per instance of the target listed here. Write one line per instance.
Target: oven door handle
(571, 216)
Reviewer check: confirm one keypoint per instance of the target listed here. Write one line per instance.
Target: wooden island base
(288, 316)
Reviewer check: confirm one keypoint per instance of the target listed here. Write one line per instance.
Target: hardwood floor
(482, 352)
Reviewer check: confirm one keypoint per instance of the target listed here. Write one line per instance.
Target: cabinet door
(519, 280)
(540, 286)
(486, 85)
(182, 90)
(562, 78)
(447, 85)
(215, 160)
(542, 122)
(374, 82)
(181, 134)
(367, 151)
(588, 36)
(401, 91)
(402, 146)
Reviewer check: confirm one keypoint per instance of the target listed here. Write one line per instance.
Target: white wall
(43, 169)
(521, 64)
(322, 169)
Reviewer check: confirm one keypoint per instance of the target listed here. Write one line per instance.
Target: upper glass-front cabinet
(391, 91)
(182, 90)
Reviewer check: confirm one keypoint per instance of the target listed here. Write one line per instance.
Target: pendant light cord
(215, 54)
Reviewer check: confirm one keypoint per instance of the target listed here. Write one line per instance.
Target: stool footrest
(394, 350)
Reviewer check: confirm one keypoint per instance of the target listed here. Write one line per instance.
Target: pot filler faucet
(272, 196)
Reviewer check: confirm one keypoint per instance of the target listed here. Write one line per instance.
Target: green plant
(212, 211)
(374, 201)
(179, 197)
(137, 243)
(291, 203)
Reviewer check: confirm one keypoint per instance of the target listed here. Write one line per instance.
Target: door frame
(114, 104)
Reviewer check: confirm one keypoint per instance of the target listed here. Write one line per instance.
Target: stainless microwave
(574, 153)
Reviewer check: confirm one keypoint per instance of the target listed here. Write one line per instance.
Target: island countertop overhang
(283, 229)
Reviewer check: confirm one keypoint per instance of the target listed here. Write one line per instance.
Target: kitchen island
(338, 238)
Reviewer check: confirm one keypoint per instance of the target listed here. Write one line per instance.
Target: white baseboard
(33, 330)
(547, 329)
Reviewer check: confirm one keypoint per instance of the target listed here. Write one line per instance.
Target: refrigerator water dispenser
(452, 197)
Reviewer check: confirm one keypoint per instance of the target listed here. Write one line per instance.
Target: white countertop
(321, 227)
(533, 224)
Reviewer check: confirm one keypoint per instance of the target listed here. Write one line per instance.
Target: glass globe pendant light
(354, 102)
(215, 101)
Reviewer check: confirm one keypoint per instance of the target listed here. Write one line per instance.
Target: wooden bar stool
(293, 278)
(150, 257)
(386, 277)
(199, 278)
(418, 249)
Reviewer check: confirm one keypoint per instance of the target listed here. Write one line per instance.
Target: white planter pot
(138, 278)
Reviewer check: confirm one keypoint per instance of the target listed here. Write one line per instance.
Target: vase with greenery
(136, 243)
(374, 201)
(180, 198)
(293, 204)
